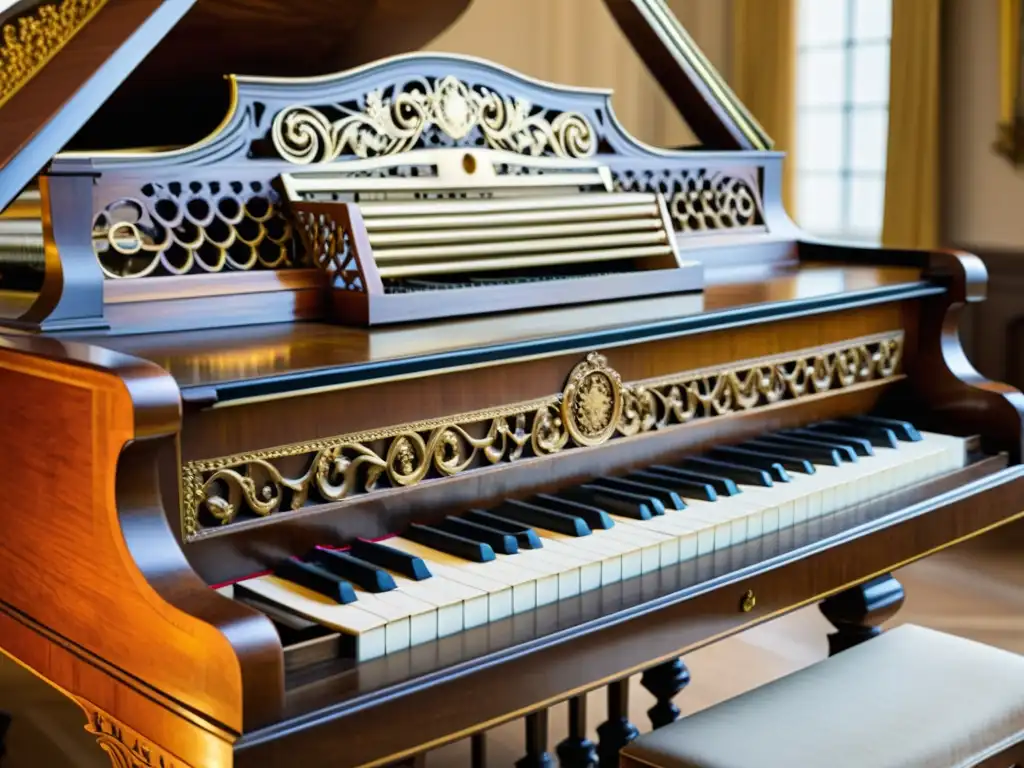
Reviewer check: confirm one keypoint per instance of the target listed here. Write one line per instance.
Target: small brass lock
(748, 602)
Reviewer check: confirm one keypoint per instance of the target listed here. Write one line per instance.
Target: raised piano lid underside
(60, 62)
(180, 86)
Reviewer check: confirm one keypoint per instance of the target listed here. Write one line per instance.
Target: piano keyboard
(480, 566)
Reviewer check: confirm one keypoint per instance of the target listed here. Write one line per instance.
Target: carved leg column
(536, 742)
(5, 723)
(664, 682)
(857, 612)
(577, 751)
(617, 731)
(478, 750)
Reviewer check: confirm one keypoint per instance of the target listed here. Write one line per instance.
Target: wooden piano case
(204, 385)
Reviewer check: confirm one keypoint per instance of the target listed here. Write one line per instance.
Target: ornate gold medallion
(592, 401)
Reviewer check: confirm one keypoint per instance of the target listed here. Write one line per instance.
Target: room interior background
(945, 185)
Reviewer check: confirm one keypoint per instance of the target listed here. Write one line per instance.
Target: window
(842, 116)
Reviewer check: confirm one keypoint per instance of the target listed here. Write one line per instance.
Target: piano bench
(910, 697)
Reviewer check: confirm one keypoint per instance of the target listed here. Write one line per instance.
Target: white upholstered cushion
(911, 698)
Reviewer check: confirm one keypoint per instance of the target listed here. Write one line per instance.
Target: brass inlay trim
(593, 408)
(125, 746)
(30, 41)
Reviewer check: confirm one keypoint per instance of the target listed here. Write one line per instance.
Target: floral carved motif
(594, 407)
(388, 125)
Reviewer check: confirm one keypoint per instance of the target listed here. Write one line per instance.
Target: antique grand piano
(400, 403)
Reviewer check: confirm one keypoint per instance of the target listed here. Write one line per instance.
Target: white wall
(983, 196)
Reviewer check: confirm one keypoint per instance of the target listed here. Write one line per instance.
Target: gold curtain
(764, 53)
(576, 42)
(911, 218)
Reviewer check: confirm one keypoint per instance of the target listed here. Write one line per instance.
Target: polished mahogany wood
(201, 360)
(99, 420)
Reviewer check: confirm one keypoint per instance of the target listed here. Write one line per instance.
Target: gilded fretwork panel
(428, 112)
(700, 199)
(176, 228)
(594, 407)
(30, 41)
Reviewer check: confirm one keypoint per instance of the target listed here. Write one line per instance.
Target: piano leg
(5, 723)
(616, 732)
(664, 682)
(857, 612)
(478, 750)
(577, 751)
(536, 742)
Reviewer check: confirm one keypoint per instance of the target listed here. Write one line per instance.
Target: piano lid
(111, 74)
(94, 73)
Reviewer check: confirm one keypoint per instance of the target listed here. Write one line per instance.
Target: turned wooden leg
(537, 755)
(616, 732)
(577, 751)
(857, 612)
(478, 750)
(664, 682)
(5, 723)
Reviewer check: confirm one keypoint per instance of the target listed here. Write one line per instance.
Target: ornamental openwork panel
(427, 112)
(701, 199)
(214, 207)
(594, 407)
(176, 228)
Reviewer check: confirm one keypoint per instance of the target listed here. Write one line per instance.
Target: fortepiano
(384, 397)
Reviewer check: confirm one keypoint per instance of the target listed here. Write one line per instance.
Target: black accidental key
(669, 499)
(526, 537)
(735, 472)
(878, 435)
(688, 489)
(501, 542)
(818, 454)
(722, 485)
(904, 429)
(775, 470)
(359, 572)
(402, 563)
(845, 452)
(449, 543)
(596, 518)
(317, 579)
(860, 445)
(616, 502)
(531, 514)
(765, 460)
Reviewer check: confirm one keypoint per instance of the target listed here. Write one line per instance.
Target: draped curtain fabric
(576, 42)
(911, 218)
(763, 75)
